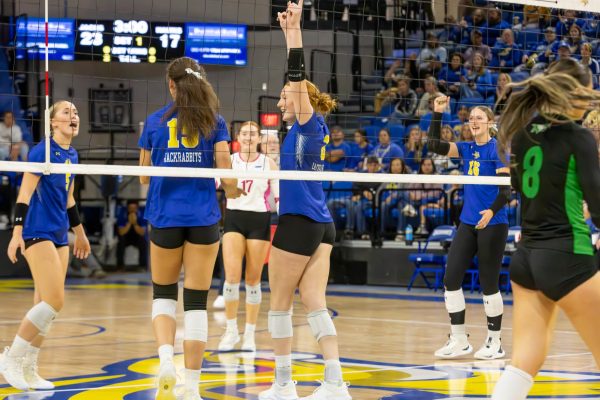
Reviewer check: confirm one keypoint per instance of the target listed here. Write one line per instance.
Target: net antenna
(47, 165)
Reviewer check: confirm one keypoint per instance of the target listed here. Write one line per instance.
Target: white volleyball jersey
(257, 190)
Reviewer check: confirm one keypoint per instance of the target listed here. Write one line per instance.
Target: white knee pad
(166, 307)
(280, 324)
(321, 324)
(493, 305)
(253, 294)
(455, 301)
(231, 291)
(196, 325)
(45, 331)
(41, 315)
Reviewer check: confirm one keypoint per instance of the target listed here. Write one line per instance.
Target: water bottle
(408, 234)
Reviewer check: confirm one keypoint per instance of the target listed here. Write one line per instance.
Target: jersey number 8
(188, 142)
(532, 164)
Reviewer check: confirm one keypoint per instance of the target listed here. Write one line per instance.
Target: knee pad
(196, 325)
(253, 294)
(166, 307)
(165, 291)
(455, 301)
(280, 324)
(45, 331)
(321, 324)
(493, 305)
(41, 316)
(231, 291)
(194, 299)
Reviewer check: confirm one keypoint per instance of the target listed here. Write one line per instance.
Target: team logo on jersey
(238, 376)
(476, 155)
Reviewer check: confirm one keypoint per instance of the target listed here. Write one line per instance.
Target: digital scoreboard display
(31, 38)
(224, 44)
(133, 41)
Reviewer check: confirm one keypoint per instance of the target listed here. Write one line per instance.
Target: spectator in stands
(431, 88)
(494, 27)
(564, 50)
(391, 198)
(269, 146)
(432, 57)
(477, 46)
(445, 164)
(462, 117)
(386, 150)
(506, 53)
(414, 149)
(131, 229)
(360, 151)
(11, 139)
(337, 151)
(534, 17)
(423, 195)
(592, 122)
(478, 83)
(465, 134)
(567, 18)
(592, 63)
(402, 96)
(501, 95)
(475, 23)
(363, 195)
(545, 52)
(575, 39)
(426, 119)
(449, 76)
(397, 69)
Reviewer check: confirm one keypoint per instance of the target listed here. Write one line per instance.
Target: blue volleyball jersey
(180, 202)
(47, 216)
(303, 149)
(480, 161)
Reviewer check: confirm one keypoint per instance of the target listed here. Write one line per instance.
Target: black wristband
(20, 213)
(296, 72)
(73, 214)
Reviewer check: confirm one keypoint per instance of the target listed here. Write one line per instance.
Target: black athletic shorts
(172, 238)
(250, 224)
(31, 242)
(301, 235)
(552, 272)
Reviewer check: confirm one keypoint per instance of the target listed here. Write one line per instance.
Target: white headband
(195, 73)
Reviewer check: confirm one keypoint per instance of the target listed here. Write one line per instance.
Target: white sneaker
(457, 345)
(491, 350)
(229, 340)
(248, 344)
(219, 303)
(329, 391)
(191, 395)
(30, 371)
(167, 379)
(277, 392)
(12, 369)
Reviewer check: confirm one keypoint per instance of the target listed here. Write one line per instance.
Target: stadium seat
(432, 263)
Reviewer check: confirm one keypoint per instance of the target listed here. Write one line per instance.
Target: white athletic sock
(192, 379)
(19, 347)
(514, 384)
(495, 335)
(283, 369)
(33, 352)
(458, 330)
(232, 325)
(333, 372)
(250, 329)
(165, 353)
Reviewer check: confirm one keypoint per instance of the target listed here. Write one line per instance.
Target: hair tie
(190, 71)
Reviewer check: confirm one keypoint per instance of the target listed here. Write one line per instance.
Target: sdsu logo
(238, 376)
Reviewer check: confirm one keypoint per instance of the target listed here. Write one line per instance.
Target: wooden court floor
(102, 347)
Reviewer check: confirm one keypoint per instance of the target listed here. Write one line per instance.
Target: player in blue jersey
(44, 212)
(305, 233)
(184, 215)
(482, 231)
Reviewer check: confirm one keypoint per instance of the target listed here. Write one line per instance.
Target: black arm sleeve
(502, 197)
(433, 138)
(588, 172)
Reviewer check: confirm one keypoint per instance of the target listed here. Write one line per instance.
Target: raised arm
(434, 143)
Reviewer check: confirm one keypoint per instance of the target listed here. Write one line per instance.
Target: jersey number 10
(188, 142)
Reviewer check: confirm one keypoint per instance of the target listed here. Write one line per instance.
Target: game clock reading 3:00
(132, 41)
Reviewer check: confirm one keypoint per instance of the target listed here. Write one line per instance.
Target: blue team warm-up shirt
(480, 161)
(47, 216)
(303, 149)
(180, 202)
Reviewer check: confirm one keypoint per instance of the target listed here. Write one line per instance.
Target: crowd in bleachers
(471, 61)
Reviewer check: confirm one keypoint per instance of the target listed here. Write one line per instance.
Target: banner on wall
(579, 5)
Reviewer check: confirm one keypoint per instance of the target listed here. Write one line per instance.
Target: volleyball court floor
(102, 347)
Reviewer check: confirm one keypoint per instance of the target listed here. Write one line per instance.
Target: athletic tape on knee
(41, 316)
(166, 307)
(321, 324)
(194, 299)
(493, 305)
(253, 294)
(455, 300)
(280, 324)
(165, 291)
(231, 291)
(196, 325)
